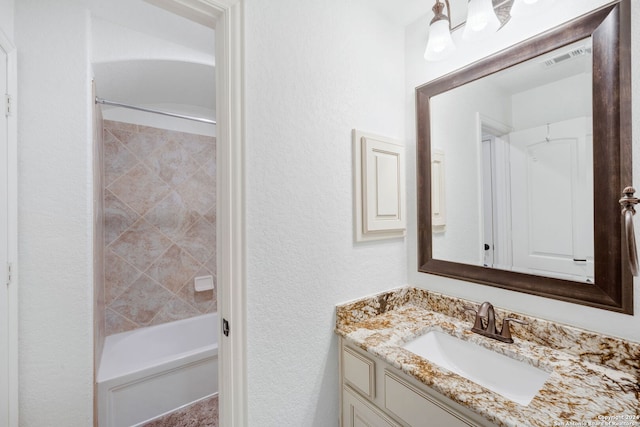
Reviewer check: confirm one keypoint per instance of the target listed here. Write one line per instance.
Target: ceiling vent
(573, 53)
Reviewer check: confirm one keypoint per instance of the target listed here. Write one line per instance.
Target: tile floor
(201, 414)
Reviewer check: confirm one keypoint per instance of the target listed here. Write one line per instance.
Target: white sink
(515, 380)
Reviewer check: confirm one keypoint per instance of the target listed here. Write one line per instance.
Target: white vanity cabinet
(374, 394)
(358, 412)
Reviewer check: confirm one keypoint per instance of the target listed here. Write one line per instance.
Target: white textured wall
(55, 218)
(419, 72)
(314, 70)
(6, 17)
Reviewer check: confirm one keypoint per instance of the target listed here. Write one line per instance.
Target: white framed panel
(438, 205)
(359, 371)
(379, 181)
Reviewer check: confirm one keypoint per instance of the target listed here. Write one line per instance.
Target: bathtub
(152, 371)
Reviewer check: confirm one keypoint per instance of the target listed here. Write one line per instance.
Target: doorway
(225, 16)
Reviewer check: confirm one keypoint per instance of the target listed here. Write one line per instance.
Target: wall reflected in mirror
(519, 171)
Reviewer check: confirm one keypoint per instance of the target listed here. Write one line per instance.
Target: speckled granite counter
(594, 378)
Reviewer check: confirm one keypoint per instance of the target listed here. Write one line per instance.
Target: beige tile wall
(160, 224)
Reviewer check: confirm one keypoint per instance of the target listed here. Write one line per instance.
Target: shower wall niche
(159, 224)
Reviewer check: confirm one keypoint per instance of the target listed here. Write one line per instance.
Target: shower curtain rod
(150, 110)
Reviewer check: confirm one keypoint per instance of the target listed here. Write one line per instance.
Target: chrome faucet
(488, 327)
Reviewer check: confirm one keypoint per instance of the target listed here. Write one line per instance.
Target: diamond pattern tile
(172, 216)
(199, 192)
(116, 323)
(202, 148)
(142, 300)
(141, 244)
(175, 309)
(139, 143)
(172, 163)
(117, 159)
(174, 268)
(118, 276)
(200, 240)
(160, 220)
(139, 188)
(118, 217)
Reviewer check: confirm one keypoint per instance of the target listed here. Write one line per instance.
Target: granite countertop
(594, 378)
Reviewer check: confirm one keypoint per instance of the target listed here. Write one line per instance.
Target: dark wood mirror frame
(610, 28)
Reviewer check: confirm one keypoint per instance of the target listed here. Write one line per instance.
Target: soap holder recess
(203, 283)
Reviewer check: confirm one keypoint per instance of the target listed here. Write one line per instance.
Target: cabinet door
(416, 408)
(356, 412)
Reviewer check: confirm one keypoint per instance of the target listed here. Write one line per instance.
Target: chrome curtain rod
(150, 110)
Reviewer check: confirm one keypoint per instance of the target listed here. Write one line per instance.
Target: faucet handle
(506, 331)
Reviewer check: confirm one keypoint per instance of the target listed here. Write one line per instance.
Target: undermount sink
(517, 381)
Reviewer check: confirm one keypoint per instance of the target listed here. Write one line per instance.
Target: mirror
(522, 158)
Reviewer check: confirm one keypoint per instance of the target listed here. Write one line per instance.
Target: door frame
(488, 127)
(225, 16)
(9, 391)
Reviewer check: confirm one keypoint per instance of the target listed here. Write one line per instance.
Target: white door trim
(226, 17)
(10, 390)
(230, 221)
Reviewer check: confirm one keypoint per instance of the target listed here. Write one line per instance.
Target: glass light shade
(525, 7)
(481, 20)
(440, 43)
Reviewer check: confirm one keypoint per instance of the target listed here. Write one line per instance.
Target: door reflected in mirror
(519, 177)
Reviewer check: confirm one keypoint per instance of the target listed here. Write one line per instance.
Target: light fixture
(440, 43)
(481, 21)
(526, 7)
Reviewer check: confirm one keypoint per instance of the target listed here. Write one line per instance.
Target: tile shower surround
(160, 224)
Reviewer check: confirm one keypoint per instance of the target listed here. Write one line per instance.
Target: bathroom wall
(55, 211)
(160, 224)
(418, 72)
(314, 71)
(6, 17)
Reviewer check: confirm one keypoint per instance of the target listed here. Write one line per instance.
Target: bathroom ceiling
(143, 55)
(154, 21)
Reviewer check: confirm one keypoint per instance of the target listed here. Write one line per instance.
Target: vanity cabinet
(375, 394)
(358, 412)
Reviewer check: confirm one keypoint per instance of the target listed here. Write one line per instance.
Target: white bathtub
(155, 370)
